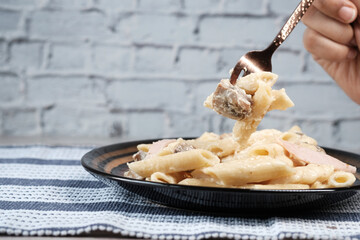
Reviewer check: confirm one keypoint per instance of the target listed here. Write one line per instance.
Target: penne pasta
(167, 177)
(306, 175)
(252, 170)
(199, 182)
(275, 186)
(178, 162)
(220, 147)
(341, 179)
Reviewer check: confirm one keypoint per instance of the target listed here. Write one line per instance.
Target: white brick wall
(25, 55)
(135, 69)
(20, 121)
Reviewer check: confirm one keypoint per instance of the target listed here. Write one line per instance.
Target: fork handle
(293, 20)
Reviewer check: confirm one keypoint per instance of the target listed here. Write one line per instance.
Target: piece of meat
(231, 101)
(154, 149)
(310, 156)
(140, 155)
(182, 147)
(159, 145)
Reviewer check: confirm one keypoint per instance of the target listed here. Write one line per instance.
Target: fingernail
(352, 54)
(347, 14)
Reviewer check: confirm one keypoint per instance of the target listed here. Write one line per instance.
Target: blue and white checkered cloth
(45, 191)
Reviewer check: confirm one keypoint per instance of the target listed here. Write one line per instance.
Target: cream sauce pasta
(245, 158)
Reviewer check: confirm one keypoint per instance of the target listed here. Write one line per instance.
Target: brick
(160, 28)
(202, 5)
(237, 31)
(283, 7)
(69, 4)
(20, 122)
(26, 55)
(117, 126)
(146, 125)
(10, 89)
(116, 4)
(271, 121)
(3, 52)
(76, 120)
(186, 125)
(21, 4)
(219, 124)
(112, 58)
(226, 125)
(228, 59)
(151, 59)
(162, 5)
(349, 132)
(148, 94)
(69, 25)
(9, 20)
(254, 7)
(320, 100)
(193, 61)
(53, 89)
(201, 92)
(287, 64)
(1, 123)
(68, 56)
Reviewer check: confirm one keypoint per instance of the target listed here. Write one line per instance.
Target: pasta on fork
(245, 158)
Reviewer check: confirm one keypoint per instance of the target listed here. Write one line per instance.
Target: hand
(333, 39)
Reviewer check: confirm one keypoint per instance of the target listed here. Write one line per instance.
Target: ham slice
(155, 148)
(159, 145)
(310, 156)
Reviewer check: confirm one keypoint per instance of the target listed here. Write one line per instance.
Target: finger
(324, 48)
(357, 32)
(357, 4)
(342, 10)
(329, 27)
(353, 42)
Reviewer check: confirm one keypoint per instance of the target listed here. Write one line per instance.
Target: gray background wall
(134, 69)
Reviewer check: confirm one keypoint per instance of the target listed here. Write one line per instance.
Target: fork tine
(235, 73)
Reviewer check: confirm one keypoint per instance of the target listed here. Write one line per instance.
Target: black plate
(108, 164)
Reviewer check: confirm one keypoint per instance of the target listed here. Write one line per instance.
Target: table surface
(66, 141)
(63, 141)
(85, 237)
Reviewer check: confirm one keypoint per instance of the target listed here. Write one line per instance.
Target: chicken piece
(230, 101)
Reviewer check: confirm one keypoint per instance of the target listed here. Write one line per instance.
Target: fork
(256, 61)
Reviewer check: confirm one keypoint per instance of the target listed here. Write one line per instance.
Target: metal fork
(256, 61)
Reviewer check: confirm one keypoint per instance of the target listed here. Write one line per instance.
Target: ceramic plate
(109, 163)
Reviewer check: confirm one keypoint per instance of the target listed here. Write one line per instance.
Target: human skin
(332, 37)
